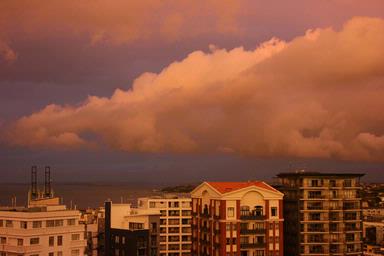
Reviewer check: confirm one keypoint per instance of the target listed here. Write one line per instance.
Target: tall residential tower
(322, 213)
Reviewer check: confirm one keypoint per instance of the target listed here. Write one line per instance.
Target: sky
(183, 91)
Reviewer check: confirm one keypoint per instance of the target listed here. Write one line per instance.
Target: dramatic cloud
(319, 95)
(119, 21)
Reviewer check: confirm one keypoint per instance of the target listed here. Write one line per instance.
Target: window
(75, 252)
(59, 223)
(244, 210)
(71, 222)
(135, 225)
(36, 224)
(231, 211)
(51, 241)
(75, 237)
(9, 224)
(51, 254)
(3, 240)
(23, 224)
(50, 223)
(34, 240)
(347, 183)
(1, 223)
(258, 210)
(274, 211)
(20, 242)
(59, 253)
(60, 240)
(152, 204)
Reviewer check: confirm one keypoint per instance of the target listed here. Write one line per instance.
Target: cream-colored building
(43, 228)
(41, 231)
(175, 223)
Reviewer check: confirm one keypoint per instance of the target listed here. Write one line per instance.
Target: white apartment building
(43, 228)
(175, 223)
(41, 231)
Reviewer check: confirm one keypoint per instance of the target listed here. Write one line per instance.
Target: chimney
(34, 193)
(47, 182)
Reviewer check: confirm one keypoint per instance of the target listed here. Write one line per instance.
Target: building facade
(322, 213)
(237, 218)
(130, 231)
(175, 223)
(38, 231)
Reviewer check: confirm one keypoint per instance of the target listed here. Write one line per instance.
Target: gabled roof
(226, 187)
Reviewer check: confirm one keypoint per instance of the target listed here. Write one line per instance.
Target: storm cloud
(319, 95)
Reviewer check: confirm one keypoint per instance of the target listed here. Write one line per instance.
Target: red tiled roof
(225, 187)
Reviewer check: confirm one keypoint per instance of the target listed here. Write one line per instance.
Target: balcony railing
(252, 245)
(252, 231)
(252, 217)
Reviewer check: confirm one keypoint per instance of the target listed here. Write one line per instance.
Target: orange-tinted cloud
(120, 21)
(7, 54)
(319, 95)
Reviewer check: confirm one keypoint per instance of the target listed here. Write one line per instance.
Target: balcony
(252, 217)
(20, 249)
(252, 231)
(251, 245)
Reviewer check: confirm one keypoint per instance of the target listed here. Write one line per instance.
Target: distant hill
(178, 189)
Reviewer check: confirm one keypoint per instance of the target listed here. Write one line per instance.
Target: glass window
(60, 240)
(34, 240)
(59, 223)
(23, 224)
(75, 237)
(231, 211)
(9, 224)
(75, 252)
(36, 224)
(50, 223)
(274, 211)
(71, 222)
(51, 241)
(20, 242)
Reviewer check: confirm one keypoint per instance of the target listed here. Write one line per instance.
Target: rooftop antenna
(47, 182)
(34, 193)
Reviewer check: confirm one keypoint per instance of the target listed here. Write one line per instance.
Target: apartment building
(50, 230)
(322, 213)
(237, 218)
(131, 231)
(44, 227)
(175, 223)
(93, 221)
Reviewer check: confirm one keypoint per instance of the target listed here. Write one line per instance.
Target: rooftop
(303, 173)
(226, 187)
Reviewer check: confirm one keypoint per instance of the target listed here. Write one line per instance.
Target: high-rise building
(322, 213)
(175, 223)
(131, 231)
(237, 218)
